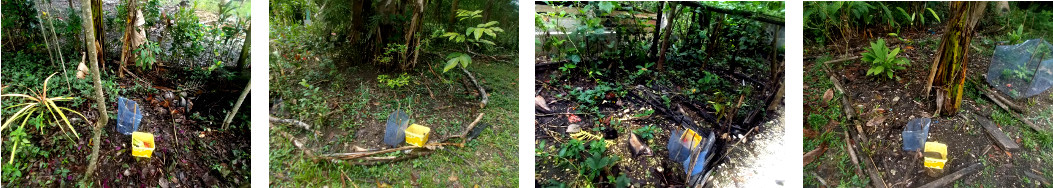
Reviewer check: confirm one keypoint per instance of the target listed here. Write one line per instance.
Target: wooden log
(997, 135)
(950, 178)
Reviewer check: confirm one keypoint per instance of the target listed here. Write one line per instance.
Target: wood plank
(997, 135)
(950, 178)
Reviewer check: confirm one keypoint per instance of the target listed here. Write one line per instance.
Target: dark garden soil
(656, 170)
(902, 99)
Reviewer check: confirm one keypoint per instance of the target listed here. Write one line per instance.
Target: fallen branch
(1014, 114)
(482, 92)
(852, 152)
(948, 179)
(291, 121)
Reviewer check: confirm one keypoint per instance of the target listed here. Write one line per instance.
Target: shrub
(882, 60)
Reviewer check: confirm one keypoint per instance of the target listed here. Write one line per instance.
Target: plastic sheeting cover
(394, 133)
(1022, 70)
(129, 115)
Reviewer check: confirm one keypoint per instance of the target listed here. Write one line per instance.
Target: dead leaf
(82, 70)
(452, 178)
(811, 155)
(810, 134)
(541, 103)
(828, 95)
(878, 120)
(637, 147)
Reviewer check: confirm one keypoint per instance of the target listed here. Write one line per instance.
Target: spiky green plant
(40, 107)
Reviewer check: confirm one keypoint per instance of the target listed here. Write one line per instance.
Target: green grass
(489, 161)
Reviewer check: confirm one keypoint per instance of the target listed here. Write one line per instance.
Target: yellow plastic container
(690, 137)
(937, 147)
(417, 135)
(142, 144)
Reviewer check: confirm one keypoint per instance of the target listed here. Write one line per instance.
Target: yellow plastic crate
(937, 147)
(142, 144)
(417, 135)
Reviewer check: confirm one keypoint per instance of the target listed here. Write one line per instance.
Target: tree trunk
(100, 100)
(243, 59)
(453, 11)
(486, 11)
(948, 73)
(237, 105)
(411, 34)
(657, 30)
(127, 54)
(665, 37)
(358, 21)
(100, 32)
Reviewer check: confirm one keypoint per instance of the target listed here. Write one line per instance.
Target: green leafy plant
(647, 132)
(567, 67)
(597, 162)
(472, 35)
(38, 109)
(1016, 36)
(147, 55)
(457, 58)
(393, 82)
(188, 32)
(883, 61)
(911, 18)
(390, 51)
(572, 149)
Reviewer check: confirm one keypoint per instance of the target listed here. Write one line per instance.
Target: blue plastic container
(129, 115)
(915, 134)
(394, 133)
(680, 150)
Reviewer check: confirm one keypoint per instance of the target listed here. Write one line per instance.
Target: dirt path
(755, 163)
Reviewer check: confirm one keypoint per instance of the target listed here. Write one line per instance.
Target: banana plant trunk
(948, 73)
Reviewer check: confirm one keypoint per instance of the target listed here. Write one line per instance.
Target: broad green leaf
(606, 6)
(893, 53)
(934, 14)
(470, 31)
(487, 24)
(497, 29)
(478, 34)
(450, 64)
(490, 32)
(486, 42)
(465, 60)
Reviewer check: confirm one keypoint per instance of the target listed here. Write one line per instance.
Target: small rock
(573, 128)
(895, 99)
(162, 182)
(127, 172)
